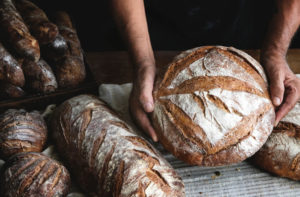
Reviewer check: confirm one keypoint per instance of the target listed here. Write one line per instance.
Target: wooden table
(115, 67)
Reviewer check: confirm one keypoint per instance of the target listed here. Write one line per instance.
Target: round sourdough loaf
(281, 153)
(21, 131)
(212, 106)
(33, 174)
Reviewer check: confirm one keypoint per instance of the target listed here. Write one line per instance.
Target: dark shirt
(173, 24)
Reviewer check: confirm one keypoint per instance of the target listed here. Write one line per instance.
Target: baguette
(10, 69)
(34, 174)
(37, 21)
(8, 90)
(21, 131)
(106, 156)
(39, 76)
(17, 33)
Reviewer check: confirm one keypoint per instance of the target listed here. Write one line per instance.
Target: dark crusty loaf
(13, 27)
(21, 131)
(212, 106)
(39, 76)
(37, 21)
(69, 68)
(106, 156)
(33, 175)
(10, 69)
(8, 90)
(281, 153)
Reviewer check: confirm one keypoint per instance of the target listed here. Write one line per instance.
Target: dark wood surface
(115, 67)
(111, 67)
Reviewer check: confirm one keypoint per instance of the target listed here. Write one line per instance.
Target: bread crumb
(238, 169)
(213, 176)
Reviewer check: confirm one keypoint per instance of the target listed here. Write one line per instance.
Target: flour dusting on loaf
(212, 106)
(281, 153)
(108, 158)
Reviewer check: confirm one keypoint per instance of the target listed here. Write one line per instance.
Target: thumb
(146, 98)
(277, 90)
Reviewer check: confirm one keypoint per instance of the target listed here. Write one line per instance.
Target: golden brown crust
(281, 153)
(21, 131)
(33, 174)
(14, 28)
(37, 21)
(106, 156)
(194, 95)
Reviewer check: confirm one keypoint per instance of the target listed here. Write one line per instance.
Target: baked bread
(33, 174)
(37, 21)
(106, 156)
(10, 69)
(281, 153)
(212, 106)
(21, 131)
(8, 90)
(69, 68)
(14, 29)
(39, 76)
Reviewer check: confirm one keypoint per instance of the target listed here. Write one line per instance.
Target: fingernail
(276, 101)
(155, 138)
(276, 123)
(148, 107)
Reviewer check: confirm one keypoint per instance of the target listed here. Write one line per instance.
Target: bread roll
(106, 156)
(37, 21)
(17, 33)
(10, 69)
(8, 90)
(281, 153)
(33, 174)
(69, 69)
(39, 76)
(21, 131)
(212, 106)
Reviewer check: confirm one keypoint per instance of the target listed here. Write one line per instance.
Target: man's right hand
(141, 100)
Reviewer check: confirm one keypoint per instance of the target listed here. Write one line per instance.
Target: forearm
(282, 28)
(131, 21)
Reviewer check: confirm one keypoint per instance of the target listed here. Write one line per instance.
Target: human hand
(141, 99)
(284, 85)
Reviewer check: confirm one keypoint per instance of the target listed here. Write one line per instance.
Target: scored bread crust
(106, 156)
(21, 131)
(281, 153)
(212, 106)
(33, 174)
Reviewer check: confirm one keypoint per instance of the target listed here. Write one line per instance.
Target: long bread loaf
(17, 33)
(106, 156)
(37, 21)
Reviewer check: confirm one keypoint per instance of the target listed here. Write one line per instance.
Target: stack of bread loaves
(212, 106)
(27, 172)
(25, 29)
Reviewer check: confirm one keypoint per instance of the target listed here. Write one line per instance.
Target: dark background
(174, 24)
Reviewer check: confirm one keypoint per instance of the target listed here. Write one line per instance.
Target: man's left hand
(284, 85)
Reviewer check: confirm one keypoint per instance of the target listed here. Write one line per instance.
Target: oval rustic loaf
(106, 156)
(212, 106)
(33, 174)
(21, 131)
(281, 153)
